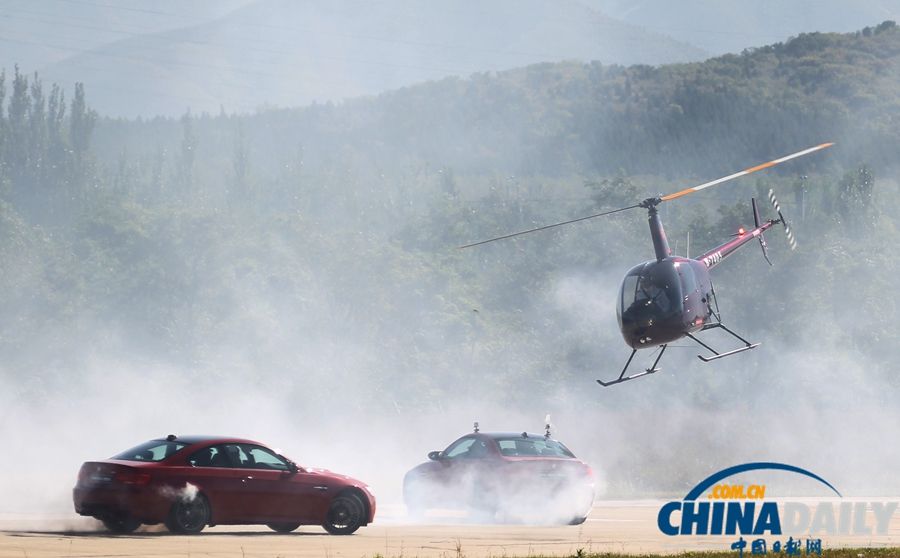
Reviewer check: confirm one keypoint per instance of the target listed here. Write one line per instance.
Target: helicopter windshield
(650, 292)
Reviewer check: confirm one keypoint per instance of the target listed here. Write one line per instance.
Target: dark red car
(514, 477)
(189, 482)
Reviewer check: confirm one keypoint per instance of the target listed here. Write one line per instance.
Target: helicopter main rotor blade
(745, 172)
(549, 226)
(652, 202)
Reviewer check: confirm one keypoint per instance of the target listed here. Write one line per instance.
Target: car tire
(121, 524)
(412, 498)
(188, 516)
(283, 527)
(578, 520)
(346, 514)
(482, 506)
(415, 510)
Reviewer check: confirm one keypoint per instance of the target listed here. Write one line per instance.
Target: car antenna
(547, 427)
(476, 427)
(171, 438)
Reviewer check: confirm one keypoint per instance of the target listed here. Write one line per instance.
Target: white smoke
(188, 492)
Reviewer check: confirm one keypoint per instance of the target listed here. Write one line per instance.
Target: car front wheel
(283, 527)
(188, 516)
(345, 515)
(482, 506)
(412, 497)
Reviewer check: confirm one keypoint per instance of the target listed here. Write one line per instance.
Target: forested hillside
(559, 119)
(735, 25)
(310, 252)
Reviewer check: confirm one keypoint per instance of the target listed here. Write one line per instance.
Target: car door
(272, 490)
(312, 493)
(211, 471)
(460, 471)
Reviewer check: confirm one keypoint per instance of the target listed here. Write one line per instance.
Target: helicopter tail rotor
(787, 228)
(757, 223)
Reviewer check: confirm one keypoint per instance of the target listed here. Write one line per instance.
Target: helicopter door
(689, 282)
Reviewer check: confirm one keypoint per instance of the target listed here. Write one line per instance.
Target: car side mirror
(436, 455)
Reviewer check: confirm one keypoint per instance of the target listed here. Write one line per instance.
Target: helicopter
(672, 297)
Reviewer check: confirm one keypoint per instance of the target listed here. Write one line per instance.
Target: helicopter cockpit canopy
(650, 292)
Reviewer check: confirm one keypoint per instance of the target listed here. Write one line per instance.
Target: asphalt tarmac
(624, 526)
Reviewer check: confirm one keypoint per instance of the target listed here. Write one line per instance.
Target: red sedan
(516, 477)
(189, 482)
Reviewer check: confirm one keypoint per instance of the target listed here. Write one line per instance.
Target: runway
(622, 526)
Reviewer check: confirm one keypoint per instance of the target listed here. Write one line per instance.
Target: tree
(16, 154)
(854, 193)
(82, 121)
(184, 166)
(242, 191)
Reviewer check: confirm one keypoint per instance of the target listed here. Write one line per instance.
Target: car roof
(191, 439)
(531, 435)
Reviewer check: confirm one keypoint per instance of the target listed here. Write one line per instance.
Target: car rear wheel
(283, 527)
(122, 524)
(188, 516)
(346, 514)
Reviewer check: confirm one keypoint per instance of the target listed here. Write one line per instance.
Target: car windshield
(516, 446)
(154, 450)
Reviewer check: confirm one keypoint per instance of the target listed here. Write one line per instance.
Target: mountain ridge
(273, 53)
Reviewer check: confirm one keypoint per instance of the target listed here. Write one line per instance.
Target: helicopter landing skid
(622, 377)
(747, 345)
(716, 355)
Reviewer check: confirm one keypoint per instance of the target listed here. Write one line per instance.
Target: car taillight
(133, 478)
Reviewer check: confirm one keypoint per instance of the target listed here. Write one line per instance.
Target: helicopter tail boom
(719, 253)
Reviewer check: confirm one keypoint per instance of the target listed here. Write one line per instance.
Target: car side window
(467, 448)
(265, 459)
(459, 449)
(478, 450)
(247, 456)
(237, 456)
(213, 456)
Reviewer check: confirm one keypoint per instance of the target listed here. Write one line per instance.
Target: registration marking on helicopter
(712, 259)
